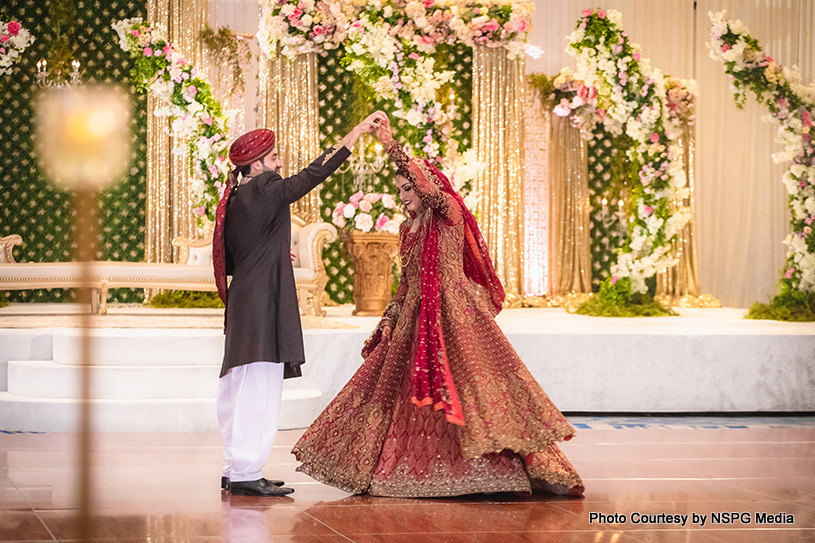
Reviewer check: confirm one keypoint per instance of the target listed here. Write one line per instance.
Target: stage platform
(157, 370)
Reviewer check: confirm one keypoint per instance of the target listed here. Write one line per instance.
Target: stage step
(140, 347)
(298, 409)
(49, 379)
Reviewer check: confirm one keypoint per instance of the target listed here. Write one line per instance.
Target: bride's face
(407, 194)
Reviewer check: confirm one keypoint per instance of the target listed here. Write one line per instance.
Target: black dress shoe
(272, 482)
(257, 488)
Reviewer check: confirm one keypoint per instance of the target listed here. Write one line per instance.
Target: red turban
(251, 146)
(246, 149)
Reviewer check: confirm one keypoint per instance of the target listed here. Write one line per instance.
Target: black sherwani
(262, 314)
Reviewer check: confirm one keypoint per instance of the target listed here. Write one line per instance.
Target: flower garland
(14, 39)
(792, 105)
(301, 26)
(187, 99)
(390, 45)
(395, 69)
(362, 208)
(635, 98)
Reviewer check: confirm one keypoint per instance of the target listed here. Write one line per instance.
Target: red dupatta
(432, 383)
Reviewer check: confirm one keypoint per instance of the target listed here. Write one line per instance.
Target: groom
(264, 340)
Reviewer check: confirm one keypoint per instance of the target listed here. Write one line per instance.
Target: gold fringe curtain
(570, 218)
(169, 194)
(682, 280)
(289, 105)
(536, 198)
(498, 102)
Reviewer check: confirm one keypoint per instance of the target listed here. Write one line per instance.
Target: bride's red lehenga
(446, 407)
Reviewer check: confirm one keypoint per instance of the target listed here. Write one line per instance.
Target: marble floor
(161, 488)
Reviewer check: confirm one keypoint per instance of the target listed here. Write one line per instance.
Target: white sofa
(194, 272)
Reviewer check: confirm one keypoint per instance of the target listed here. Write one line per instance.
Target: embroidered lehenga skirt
(372, 438)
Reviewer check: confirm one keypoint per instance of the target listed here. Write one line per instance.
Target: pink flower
(648, 210)
(587, 13)
(636, 55)
(2, 50)
(207, 121)
(213, 171)
(601, 14)
(365, 205)
(201, 210)
(806, 118)
(601, 113)
(725, 48)
(592, 93)
(789, 273)
(614, 280)
(414, 56)
(135, 33)
(381, 221)
(522, 27)
(654, 137)
(14, 27)
(428, 139)
(4, 38)
(318, 30)
(148, 52)
(490, 26)
(373, 197)
(356, 197)
(428, 3)
(192, 90)
(809, 219)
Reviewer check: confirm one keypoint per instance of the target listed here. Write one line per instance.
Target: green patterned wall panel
(31, 207)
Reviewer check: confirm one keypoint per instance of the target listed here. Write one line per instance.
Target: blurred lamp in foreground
(83, 135)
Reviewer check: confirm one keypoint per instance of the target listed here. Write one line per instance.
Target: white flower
(364, 222)
(348, 211)
(388, 201)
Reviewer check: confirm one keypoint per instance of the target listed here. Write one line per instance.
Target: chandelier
(45, 78)
(366, 162)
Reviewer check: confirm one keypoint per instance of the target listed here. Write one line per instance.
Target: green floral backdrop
(30, 206)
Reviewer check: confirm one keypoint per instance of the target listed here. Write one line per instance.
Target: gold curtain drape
(570, 219)
(498, 102)
(289, 105)
(537, 205)
(679, 285)
(169, 195)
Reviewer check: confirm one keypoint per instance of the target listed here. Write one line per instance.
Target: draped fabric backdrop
(498, 103)
(569, 217)
(741, 211)
(169, 196)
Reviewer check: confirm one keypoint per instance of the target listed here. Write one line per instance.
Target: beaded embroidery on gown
(374, 438)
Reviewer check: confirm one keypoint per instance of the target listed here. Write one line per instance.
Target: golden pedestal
(373, 255)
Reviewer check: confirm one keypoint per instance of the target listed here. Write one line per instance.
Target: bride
(442, 405)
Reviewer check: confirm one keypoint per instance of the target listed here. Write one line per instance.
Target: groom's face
(272, 162)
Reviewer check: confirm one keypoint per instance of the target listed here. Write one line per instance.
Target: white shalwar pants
(248, 410)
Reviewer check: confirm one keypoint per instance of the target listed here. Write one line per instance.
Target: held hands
(366, 126)
(371, 122)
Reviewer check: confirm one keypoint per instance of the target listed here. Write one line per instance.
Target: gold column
(498, 102)
(288, 104)
(571, 213)
(537, 280)
(169, 194)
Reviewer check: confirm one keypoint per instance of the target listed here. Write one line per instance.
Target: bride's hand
(383, 131)
(386, 333)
